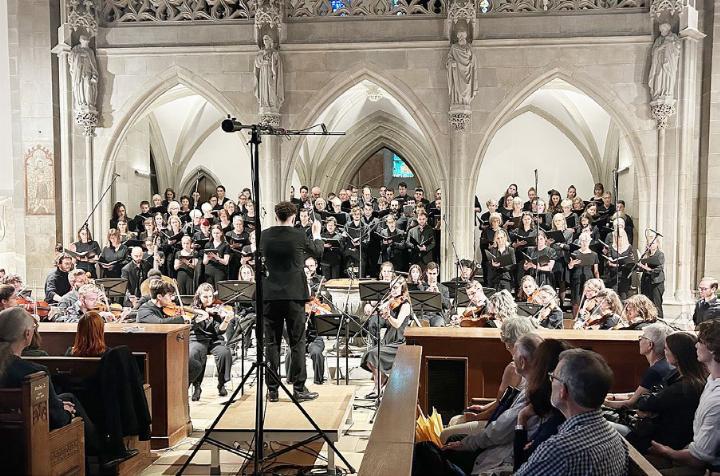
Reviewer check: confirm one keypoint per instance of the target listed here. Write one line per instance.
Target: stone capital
(662, 110)
(460, 118)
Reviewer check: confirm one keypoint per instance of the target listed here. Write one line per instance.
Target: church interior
(384, 237)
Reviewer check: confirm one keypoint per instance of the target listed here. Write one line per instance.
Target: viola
(40, 308)
(475, 317)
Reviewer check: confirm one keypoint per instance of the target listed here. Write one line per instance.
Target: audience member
(586, 443)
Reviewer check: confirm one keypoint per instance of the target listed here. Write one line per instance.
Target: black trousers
(213, 275)
(315, 351)
(429, 460)
(292, 314)
(198, 360)
(186, 282)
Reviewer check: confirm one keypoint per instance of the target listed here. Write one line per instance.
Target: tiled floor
(351, 444)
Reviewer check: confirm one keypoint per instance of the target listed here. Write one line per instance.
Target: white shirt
(706, 425)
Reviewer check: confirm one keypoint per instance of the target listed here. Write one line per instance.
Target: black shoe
(197, 390)
(272, 396)
(117, 459)
(221, 390)
(305, 395)
(318, 382)
(371, 396)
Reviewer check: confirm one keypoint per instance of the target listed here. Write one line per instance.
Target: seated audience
(539, 390)
(652, 346)
(90, 336)
(586, 443)
(510, 331)
(490, 448)
(667, 414)
(702, 453)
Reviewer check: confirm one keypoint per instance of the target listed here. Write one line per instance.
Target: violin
(390, 305)
(39, 308)
(173, 310)
(315, 306)
(219, 309)
(473, 317)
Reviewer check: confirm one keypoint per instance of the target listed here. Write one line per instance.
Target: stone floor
(351, 444)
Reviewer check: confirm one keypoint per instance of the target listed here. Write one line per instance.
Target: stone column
(270, 94)
(67, 192)
(688, 161)
(457, 234)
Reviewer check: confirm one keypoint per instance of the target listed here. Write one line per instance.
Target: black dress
(389, 345)
(580, 274)
(539, 256)
(652, 283)
(502, 277)
(118, 256)
(618, 278)
(214, 270)
(93, 250)
(185, 275)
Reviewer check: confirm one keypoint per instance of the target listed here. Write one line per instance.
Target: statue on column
(664, 68)
(269, 89)
(462, 78)
(84, 73)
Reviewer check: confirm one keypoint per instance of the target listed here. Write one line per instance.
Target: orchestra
(532, 251)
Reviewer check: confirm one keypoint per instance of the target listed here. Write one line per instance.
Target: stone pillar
(270, 94)
(687, 165)
(674, 89)
(457, 235)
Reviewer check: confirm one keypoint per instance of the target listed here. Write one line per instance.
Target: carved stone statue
(84, 73)
(269, 89)
(664, 68)
(462, 79)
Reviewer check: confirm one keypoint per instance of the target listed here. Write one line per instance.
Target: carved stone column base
(661, 111)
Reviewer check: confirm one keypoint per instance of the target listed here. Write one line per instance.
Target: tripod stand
(261, 367)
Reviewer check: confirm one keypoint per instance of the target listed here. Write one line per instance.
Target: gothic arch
(138, 104)
(372, 133)
(190, 178)
(325, 97)
(594, 88)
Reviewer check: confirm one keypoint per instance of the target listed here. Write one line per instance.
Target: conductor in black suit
(285, 292)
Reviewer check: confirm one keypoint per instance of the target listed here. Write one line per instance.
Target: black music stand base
(208, 439)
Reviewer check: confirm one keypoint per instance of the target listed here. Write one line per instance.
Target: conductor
(284, 249)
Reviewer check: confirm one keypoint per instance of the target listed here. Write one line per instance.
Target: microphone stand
(261, 366)
(457, 258)
(535, 222)
(92, 212)
(616, 177)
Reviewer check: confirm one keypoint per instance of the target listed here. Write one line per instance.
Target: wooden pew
(69, 373)
(390, 447)
(639, 465)
(167, 348)
(484, 356)
(28, 446)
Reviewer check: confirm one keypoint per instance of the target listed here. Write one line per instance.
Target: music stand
(114, 288)
(425, 301)
(332, 325)
(527, 309)
(489, 291)
(462, 299)
(453, 286)
(236, 292)
(186, 299)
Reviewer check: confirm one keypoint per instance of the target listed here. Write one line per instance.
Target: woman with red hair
(90, 337)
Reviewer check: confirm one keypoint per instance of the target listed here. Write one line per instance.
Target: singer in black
(284, 248)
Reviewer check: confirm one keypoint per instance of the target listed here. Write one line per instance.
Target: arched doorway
(387, 168)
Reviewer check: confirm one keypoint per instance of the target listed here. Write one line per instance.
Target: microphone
(622, 169)
(232, 125)
(656, 232)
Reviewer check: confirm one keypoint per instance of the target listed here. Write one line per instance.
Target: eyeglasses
(554, 377)
(642, 337)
